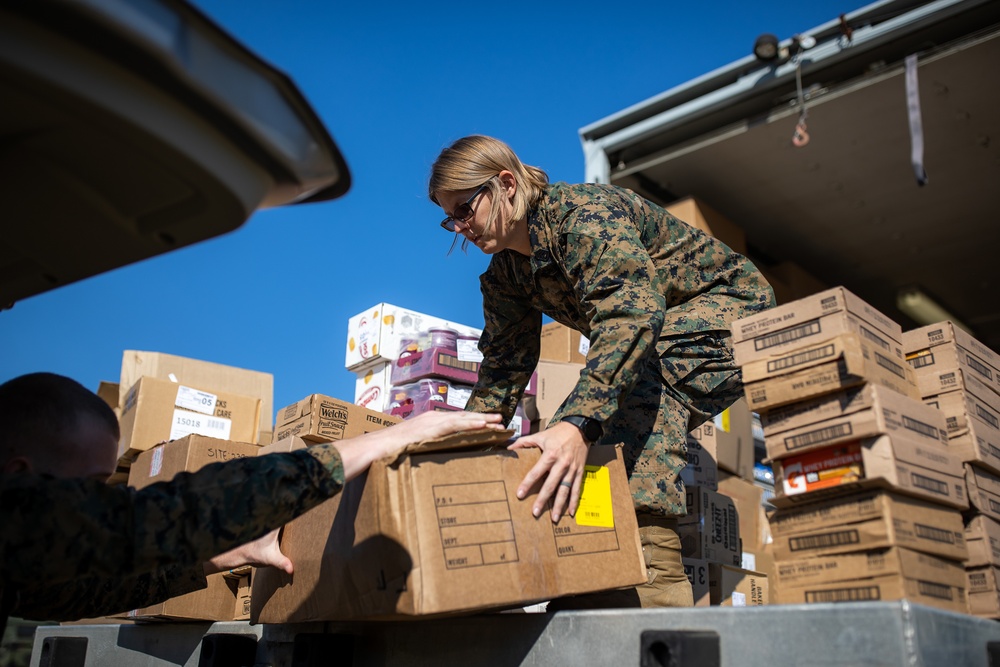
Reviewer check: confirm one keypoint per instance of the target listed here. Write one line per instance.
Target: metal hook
(800, 137)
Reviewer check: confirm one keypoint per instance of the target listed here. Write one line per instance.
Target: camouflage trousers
(666, 583)
(690, 379)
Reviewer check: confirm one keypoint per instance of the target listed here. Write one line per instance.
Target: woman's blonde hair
(475, 160)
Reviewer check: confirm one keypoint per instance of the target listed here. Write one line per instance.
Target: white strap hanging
(916, 124)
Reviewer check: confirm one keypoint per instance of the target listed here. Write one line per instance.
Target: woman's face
(490, 240)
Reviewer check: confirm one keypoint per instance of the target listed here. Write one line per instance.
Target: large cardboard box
(226, 593)
(869, 563)
(930, 587)
(951, 348)
(710, 530)
(926, 470)
(191, 453)
(319, 418)
(375, 335)
(206, 375)
(984, 591)
(438, 530)
(157, 410)
(700, 215)
(560, 343)
(731, 586)
(867, 521)
(554, 383)
(982, 534)
(881, 412)
(729, 438)
(834, 364)
(811, 320)
(984, 490)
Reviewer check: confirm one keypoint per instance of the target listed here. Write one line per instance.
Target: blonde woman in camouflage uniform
(654, 296)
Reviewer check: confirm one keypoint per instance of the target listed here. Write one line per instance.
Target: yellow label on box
(595, 507)
(722, 420)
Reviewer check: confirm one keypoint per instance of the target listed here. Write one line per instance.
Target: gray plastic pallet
(849, 635)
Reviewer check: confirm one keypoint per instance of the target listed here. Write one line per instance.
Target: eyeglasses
(463, 212)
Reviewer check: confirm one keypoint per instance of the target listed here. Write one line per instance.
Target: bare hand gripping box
(438, 530)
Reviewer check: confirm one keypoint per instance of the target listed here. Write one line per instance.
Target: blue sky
(394, 83)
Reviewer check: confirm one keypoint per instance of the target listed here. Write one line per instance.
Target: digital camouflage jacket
(129, 548)
(642, 286)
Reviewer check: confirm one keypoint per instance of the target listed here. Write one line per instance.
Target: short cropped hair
(42, 410)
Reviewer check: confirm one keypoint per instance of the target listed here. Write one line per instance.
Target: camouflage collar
(540, 224)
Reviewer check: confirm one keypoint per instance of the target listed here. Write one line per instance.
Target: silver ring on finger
(568, 485)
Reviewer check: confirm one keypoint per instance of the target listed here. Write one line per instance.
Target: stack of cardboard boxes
(711, 531)
(869, 493)
(724, 534)
(562, 356)
(177, 415)
(377, 336)
(961, 377)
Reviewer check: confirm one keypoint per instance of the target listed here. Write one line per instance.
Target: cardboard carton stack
(713, 530)
(562, 356)
(868, 491)
(375, 338)
(227, 596)
(722, 538)
(434, 370)
(961, 377)
(165, 397)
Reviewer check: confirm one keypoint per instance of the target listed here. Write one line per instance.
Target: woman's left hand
(564, 454)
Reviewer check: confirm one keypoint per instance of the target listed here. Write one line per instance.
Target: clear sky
(395, 83)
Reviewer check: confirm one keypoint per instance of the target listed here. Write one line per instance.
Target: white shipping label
(193, 399)
(584, 345)
(186, 423)
(459, 396)
(468, 350)
(739, 599)
(515, 424)
(156, 463)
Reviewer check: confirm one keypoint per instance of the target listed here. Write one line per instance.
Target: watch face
(590, 428)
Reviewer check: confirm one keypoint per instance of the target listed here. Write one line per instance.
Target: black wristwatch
(590, 428)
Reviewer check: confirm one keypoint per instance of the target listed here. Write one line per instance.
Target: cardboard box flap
(481, 439)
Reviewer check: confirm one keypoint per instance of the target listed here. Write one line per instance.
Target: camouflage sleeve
(89, 597)
(619, 290)
(510, 345)
(57, 530)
